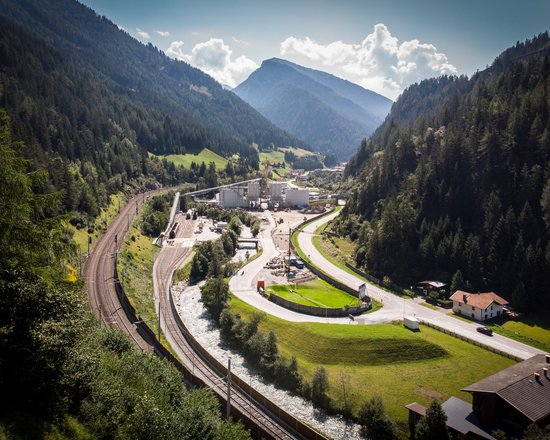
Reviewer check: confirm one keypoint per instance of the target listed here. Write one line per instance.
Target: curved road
(394, 308)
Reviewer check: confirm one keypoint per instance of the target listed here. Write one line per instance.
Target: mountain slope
(456, 183)
(209, 115)
(331, 114)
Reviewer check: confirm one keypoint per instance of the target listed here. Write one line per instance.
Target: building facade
(297, 197)
(478, 306)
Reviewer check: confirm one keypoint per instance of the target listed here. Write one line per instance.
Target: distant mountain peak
(330, 113)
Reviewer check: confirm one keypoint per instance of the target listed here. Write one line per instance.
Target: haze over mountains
(331, 114)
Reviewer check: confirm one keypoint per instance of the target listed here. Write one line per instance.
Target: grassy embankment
(388, 360)
(315, 293)
(205, 156)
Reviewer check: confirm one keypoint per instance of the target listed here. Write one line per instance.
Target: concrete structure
(426, 287)
(297, 197)
(232, 198)
(253, 191)
(478, 306)
(276, 191)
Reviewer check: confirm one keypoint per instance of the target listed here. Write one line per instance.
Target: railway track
(108, 301)
(267, 424)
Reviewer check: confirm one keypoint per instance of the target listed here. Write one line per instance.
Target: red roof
(479, 300)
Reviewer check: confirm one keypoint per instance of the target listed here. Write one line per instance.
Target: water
(202, 327)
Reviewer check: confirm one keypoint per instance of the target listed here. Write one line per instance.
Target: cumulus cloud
(163, 33)
(379, 62)
(143, 34)
(216, 59)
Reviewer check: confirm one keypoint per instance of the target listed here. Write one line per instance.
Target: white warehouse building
(297, 197)
(232, 198)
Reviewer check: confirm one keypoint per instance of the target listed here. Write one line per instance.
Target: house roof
(478, 300)
(435, 284)
(417, 408)
(518, 386)
(461, 418)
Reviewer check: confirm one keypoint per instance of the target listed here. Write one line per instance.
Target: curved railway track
(108, 301)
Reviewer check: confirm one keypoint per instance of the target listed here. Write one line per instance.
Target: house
(427, 287)
(515, 397)
(478, 306)
(509, 400)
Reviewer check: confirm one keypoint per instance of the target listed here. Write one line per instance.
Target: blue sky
(382, 45)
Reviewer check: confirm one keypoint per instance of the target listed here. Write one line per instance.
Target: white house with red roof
(478, 306)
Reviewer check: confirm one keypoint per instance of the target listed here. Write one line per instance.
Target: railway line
(108, 301)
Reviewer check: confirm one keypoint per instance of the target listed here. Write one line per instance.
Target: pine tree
(433, 426)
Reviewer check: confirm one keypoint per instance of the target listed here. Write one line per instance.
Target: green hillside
(186, 160)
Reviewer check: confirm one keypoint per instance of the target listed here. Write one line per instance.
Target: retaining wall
(319, 311)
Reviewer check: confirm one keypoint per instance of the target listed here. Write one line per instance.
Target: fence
(471, 341)
(319, 311)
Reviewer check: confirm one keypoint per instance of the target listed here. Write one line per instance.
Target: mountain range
(331, 114)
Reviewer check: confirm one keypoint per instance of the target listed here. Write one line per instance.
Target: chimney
(465, 299)
(548, 358)
(536, 375)
(545, 371)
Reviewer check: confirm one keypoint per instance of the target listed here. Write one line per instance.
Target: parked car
(485, 330)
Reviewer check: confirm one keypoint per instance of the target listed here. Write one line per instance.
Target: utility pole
(228, 387)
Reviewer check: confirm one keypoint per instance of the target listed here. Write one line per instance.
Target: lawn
(386, 359)
(272, 157)
(533, 330)
(205, 156)
(315, 293)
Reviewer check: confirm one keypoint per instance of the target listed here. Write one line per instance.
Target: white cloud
(143, 34)
(378, 63)
(215, 58)
(163, 33)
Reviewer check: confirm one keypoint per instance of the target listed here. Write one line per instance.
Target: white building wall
(297, 197)
(476, 313)
(232, 198)
(276, 189)
(253, 190)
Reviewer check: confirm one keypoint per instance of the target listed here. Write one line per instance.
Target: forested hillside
(61, 375)
(456, 183)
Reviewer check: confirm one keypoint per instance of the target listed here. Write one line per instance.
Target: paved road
(395, 308)
(243, 288)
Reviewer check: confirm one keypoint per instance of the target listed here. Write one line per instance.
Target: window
(485, 315)
(459, 304)
(491, 307)
(472, 315)
(473, 308)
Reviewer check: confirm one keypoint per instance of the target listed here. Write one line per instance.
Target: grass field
(272, 157)
(205, 156)
(315, 293)
(388, 360)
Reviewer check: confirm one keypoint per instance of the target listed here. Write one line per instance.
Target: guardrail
(471, 341)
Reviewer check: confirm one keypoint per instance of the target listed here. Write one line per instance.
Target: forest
(455, 185)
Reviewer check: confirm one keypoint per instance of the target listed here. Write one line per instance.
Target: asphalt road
(395, 308)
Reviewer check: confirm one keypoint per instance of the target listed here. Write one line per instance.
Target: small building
(221, 226)
(297, 197)
(427, 287)
(478, 306)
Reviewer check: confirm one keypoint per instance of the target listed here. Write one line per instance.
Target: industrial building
(232, 198)
(297, 198)
(253, 191)
(276, 191)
